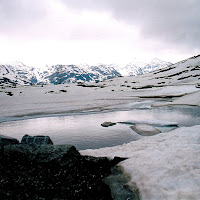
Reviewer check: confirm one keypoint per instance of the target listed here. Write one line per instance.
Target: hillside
(183, 72)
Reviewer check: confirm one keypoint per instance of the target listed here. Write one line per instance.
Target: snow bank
(164, 166)
(49, 100)
(188, 99)
(172, 90)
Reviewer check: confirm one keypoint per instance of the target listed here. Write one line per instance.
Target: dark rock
(5, 140)
(63, 90)
(87, 85)
(36, 140)
(9, 93)
(50, 92)
(198, 85)
(60, 154)
(143, 87)
(117, 181)
(107, 124)
(116, 160)
(52, 172)
(104, 161)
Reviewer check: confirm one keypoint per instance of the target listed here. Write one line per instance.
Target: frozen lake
(85, 130)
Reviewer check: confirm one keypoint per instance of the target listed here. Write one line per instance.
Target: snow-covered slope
(164, 166)
(171, 83)
(181, 73)
(186, 71)
(138, 67)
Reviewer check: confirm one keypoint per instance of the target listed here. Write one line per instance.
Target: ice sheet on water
(134, 105)
(151, 122)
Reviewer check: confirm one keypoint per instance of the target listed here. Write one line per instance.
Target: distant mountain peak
(137, 67)
(22, 74)
(14, 63)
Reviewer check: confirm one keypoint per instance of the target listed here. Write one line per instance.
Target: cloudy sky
(40, 32)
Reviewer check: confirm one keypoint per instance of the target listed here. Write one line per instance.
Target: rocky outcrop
(51, 172)
(107, 124)
(120, 189)
(60, 154)
(40, 139)
(5, 140)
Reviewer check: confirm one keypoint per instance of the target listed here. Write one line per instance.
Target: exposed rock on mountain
(19, 74)
(59, 74)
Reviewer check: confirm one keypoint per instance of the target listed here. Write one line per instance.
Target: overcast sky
(40, 32)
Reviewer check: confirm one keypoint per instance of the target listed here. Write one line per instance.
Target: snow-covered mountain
(18, 73)
(137, 67)
(58, 74)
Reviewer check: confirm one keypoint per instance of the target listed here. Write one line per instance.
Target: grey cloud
(174, 22)
(18, 14)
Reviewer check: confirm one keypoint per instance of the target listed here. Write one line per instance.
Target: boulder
(5, 140)
(145, 129)
(43, 171)
(27, 139)
(51, 172)
(107, 124)
(60, 154)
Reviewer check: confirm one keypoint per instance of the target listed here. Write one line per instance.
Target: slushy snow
(164, 166)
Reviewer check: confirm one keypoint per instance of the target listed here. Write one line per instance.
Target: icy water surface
(85, 130)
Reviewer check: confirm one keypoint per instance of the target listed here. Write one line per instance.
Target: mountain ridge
(17, 73)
